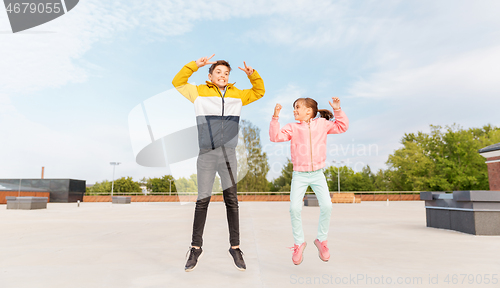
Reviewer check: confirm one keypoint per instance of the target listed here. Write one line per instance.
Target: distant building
(61, 190)
(492, 155)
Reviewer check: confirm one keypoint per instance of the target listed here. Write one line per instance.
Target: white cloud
(44, 56)
(28, 145)
(50, 56)
(472, 74)
(325, 24)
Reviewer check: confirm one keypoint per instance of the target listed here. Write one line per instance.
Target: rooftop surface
(372, 244)
(490, 148)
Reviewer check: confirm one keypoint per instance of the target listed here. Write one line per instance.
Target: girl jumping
(308, 149)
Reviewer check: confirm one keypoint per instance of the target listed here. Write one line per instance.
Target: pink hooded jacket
(308, 144)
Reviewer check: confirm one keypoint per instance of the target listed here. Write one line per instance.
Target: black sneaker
(192, 260)
(237, 256)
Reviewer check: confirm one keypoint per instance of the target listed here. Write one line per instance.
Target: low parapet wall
(250, 197)
(188, 198)
(473, 212)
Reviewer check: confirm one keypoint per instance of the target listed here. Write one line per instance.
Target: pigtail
(325, 113)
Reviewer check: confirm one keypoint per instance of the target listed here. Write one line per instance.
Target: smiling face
(219, 76)
(301, 112)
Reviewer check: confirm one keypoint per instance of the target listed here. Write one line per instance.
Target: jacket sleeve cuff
(254, 75)
(192, 65)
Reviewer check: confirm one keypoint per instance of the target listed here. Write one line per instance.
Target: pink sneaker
(297, 253)
(323, 250)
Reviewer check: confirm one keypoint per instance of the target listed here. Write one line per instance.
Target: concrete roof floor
(145, 244)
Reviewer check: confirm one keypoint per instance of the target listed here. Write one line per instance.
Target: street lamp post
(113, 183)
(338, 173)
(170, 192)
(19, 192)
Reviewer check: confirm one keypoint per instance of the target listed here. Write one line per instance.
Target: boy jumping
(217, 106)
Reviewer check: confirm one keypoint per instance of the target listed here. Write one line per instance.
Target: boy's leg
(206, 168)
(320, 188)
(227, 169)
(300, 181)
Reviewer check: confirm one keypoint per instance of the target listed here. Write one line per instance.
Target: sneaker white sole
(199, 257)
(319, 253)
(231, 256)
(302, 256)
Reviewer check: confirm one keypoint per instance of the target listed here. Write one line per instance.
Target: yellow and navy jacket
(217, 115)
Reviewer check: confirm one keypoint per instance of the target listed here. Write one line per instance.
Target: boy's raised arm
(248, 69)
(180, 80)
(182, 77)
(204, 61)
(257, 91)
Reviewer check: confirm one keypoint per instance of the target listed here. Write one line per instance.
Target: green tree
(191, 184)
(411, 169)
(162, 184)
(186, 184)
(443, 160)
(332, 176)
(381, 181)
(255, 179)
(367, 182)
(283, 182)
(100, 187)
(350, 180)
(126, 184)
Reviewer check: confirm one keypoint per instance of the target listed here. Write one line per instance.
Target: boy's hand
(248, 69)
(277, 110)
(204, 61)
(336, 103)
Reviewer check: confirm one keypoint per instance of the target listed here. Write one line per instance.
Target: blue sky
(67, 87)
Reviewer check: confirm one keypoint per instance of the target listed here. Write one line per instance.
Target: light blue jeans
(317, 181)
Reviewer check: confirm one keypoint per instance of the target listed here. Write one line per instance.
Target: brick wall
(494, 173)
(219, 198)
(3, 194)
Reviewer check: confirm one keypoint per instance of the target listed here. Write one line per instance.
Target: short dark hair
(219, 62)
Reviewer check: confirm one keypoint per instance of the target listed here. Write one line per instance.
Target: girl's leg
(298, 189)
(320, 188)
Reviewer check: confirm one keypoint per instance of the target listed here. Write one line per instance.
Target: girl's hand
(336, 103)
(248, 69)
(277, 110)
(204, 61)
